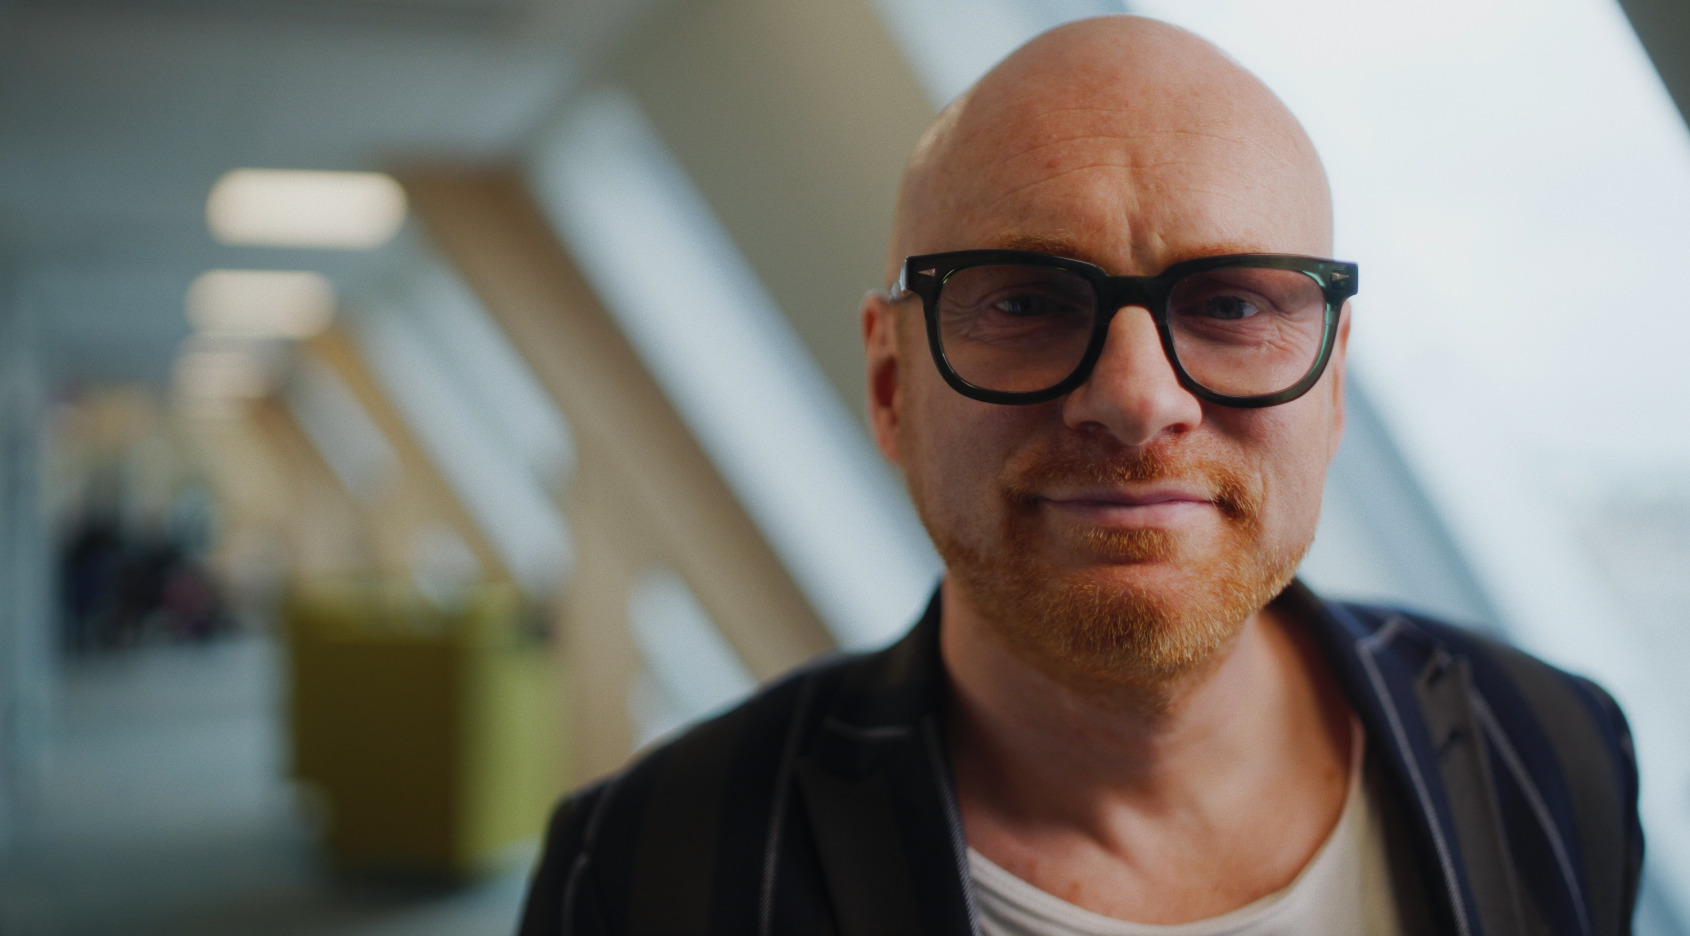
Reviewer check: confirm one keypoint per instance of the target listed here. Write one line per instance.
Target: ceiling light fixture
(297, 208)
(261, 303)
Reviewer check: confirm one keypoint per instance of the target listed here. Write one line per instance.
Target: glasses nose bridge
(1115, 293)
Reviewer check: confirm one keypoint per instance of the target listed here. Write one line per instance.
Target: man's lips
(1130, 495)
(1152, 505)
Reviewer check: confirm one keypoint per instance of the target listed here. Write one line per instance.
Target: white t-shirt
(1344, 890)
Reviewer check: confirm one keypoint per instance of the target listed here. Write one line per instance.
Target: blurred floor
(163, 808)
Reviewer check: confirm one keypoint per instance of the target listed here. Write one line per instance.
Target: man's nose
(1133, 392)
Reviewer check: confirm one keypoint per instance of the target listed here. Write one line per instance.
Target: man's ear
(1340, 371)
(880, 346)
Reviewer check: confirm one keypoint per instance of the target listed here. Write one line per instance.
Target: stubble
(1179, 603)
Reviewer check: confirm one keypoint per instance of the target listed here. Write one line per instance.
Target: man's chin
(1131, 611)
(1134, 559)
(1156, 581)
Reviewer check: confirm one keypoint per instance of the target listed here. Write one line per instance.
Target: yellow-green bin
(432, 734)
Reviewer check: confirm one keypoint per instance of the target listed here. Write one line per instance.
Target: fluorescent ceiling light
(261, 303)
(294, 208)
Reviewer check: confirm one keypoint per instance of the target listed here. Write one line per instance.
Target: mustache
(1025, 480)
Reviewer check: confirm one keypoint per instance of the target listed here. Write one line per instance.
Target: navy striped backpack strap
(1566, 744)
(1535, 792)
(1567, 778)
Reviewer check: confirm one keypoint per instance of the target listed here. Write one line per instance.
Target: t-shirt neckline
(1004, 885)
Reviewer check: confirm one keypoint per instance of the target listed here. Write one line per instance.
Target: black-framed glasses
(1015, 327)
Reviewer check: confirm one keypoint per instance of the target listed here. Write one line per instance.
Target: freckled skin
(1132, 145)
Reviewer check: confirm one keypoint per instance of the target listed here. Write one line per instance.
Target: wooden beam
(421, 495)
(645, 493)
(326, 532)
(597, 647)
(793, 121)
(488, 226)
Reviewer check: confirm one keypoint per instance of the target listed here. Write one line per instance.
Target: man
(1111, 369)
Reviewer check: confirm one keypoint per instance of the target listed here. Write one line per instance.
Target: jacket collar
(880, 744)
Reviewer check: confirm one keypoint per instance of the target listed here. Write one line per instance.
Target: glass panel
(735, 370)
(1017, 329)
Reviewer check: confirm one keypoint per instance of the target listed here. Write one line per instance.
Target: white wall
(26, 606)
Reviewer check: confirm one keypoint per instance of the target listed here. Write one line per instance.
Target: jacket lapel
(1416, 701)
(863, 862)
(878, 795)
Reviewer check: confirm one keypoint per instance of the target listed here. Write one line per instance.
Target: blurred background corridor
(409, 409)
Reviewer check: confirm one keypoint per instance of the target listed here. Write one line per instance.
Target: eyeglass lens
(1238, 331)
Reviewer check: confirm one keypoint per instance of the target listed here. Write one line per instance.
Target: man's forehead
(1096, 153)
(1121, 208)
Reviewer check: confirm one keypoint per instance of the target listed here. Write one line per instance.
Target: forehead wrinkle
(1243, 174)
(1009, 161)
(1047, 144)
(1131, 147)
(1142, 177)
(1149, 250)
(1243, 204)
(1138, 116)
(1042, 133)
(1010, 193)
(1132, 192)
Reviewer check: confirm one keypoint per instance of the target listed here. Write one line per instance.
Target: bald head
(1120, 140)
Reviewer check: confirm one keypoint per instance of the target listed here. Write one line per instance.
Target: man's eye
(1227, 308)
(1026, 305)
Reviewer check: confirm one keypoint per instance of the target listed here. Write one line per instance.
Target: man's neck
(1127, 801)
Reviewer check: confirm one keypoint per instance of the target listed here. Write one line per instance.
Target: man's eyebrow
(1062, 245)
(1218, 249)
(1058, 245)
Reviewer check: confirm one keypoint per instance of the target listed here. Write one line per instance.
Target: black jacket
(825, 803)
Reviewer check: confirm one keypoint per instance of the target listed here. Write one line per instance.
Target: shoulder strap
(1445, 694)
(1603, 795)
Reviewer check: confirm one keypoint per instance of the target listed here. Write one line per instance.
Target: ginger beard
(1087, 625)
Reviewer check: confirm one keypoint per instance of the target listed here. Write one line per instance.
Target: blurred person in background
(1111, 369)
(122, 584)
